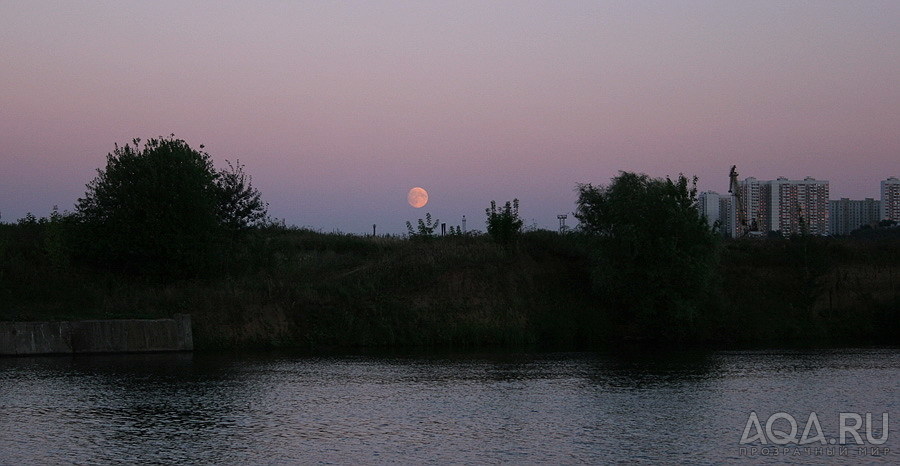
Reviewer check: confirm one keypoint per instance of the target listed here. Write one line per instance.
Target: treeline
(643, 269)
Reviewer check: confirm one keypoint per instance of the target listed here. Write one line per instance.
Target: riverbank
(287, 287)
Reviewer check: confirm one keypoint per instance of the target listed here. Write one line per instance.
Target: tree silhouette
(424, 229)
(163, 208)
(240, 204)
(504, 224)
(655, 254)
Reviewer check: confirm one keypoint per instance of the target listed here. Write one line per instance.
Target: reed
(280, 287)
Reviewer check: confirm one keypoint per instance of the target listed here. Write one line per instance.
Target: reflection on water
(534, 408)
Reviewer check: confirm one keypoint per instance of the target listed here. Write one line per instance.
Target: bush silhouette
(425, 229)
(655, 254)
(240, 204)
(504, 224)
(163, 209)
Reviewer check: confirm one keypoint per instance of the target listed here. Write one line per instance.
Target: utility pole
(464, 224)
(562, 222)
(373, 230)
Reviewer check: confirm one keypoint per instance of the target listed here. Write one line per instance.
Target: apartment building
(847, 215)
(788, 206)
(890, 199)
(719, 208)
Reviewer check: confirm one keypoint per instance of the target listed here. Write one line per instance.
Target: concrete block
(97, 336)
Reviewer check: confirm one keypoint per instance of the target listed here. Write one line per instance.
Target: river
(282, 407)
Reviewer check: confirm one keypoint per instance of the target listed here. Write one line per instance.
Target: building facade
(787, 206)
(708, 204)
(847, 215)
(799, 206)
(718, 209)
(727, 215)
(751, 191)
(890, 199)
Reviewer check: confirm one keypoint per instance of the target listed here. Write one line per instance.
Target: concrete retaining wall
(97, 336)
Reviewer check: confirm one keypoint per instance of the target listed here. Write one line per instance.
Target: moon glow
(417, 197)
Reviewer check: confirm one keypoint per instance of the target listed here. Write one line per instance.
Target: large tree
(655, 253)
(163, 208)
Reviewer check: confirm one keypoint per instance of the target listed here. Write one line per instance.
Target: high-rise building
(890, 199)
(753, 204)
(788, 206)
(718, 210)
(847, 215)
(799, 204)
(708, 204)
(727, 215)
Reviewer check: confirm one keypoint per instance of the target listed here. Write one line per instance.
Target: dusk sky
(337, 109)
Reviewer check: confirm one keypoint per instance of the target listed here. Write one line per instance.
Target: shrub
(504, 224)
(240, 205)
(163, 209)
(655, 253)
(425, 228)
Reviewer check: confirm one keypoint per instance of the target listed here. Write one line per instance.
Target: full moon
(417, 197)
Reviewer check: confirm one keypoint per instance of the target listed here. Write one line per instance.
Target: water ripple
(549, 408)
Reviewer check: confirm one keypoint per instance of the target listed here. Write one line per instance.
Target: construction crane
(734, 188)
(743, 228)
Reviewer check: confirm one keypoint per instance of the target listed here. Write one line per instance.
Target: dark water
(461, 408)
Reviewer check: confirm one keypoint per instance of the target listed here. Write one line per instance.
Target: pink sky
(338, 108)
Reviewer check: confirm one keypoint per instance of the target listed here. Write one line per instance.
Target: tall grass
(296, 287)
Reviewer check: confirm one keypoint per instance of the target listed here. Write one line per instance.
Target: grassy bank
(283, 287)
(812, 290)
(288, 287)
